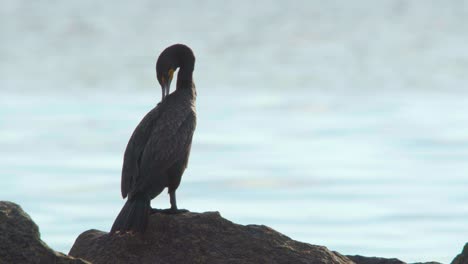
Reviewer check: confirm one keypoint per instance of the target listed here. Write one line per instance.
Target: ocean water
(337, 123)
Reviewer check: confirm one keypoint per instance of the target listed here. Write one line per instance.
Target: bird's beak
(167, 84)
(165, 89)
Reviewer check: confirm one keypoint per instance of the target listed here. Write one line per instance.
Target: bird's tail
(133, 216)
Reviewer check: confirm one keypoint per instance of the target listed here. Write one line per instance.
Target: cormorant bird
(158, 150)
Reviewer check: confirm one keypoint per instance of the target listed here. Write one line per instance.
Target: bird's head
(165, 68)
(171, 58)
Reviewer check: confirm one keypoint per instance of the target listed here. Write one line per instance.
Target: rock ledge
(20, 240)
(199, 238)
(462, 258)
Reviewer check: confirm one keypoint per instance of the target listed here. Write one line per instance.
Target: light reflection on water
(352, 134)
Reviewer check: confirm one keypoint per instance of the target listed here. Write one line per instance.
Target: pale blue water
(342, 124)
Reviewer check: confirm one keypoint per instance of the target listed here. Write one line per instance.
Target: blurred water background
(338, 123)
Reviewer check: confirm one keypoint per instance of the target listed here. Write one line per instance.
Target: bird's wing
(170, 140)
(135, 148)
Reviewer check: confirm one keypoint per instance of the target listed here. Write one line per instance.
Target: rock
(199, 238)
(462, 258)
(374, 260)
(20, 240)
(185, 238)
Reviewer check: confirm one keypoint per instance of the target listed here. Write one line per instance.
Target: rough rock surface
(20, 240)
(186, 238)
(199, 238)
(462, 258)
(374, 260)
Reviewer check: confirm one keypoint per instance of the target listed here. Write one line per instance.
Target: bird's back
(161, 139)
(135, 147)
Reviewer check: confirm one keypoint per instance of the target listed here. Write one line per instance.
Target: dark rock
(20, 240)
(374, 260)
(185, 238)
(199, 238)
(462, 258)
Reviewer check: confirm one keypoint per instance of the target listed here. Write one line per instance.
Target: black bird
(158, 150)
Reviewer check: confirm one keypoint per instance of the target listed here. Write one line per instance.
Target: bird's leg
(173, 209)
(174, 204)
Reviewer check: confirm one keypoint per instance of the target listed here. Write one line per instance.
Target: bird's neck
(184, 79)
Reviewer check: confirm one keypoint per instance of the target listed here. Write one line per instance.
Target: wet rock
(185, 238)
(374, 260)
(199, 238)
(462, 258)
(20, 240)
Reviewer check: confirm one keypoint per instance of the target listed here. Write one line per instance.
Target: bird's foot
(168, 211)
